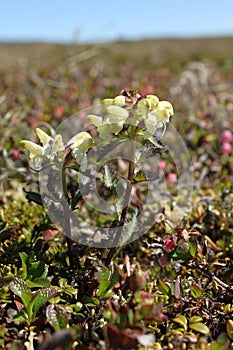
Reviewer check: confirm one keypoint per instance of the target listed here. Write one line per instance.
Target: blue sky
(91, 21)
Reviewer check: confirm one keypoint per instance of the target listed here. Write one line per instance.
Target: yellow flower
(112, 120)
(54, 148)
(158, 116)
(43, 137)
(82, 140)
(33, 148)
(50, 149)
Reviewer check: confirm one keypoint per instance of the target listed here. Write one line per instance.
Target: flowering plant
(128, 117)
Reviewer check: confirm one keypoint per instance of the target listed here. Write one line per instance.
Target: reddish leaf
(117, 339)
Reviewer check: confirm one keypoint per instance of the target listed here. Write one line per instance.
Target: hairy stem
(67, 220)
(124, 212)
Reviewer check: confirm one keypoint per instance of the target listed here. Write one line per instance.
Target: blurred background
(87, 22)
(58, 57)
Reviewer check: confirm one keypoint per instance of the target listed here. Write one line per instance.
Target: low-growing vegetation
(170, 288)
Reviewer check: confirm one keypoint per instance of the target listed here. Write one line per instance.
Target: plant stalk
(124, 212)
(67, 220)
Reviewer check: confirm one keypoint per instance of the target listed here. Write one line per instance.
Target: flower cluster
(129, 114)
(53, 149)
(130, 108)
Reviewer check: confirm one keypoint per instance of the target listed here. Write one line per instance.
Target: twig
(212, 276)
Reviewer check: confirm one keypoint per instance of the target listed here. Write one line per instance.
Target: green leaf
(196, 291)
(20, 318)
(38, 269)
(142, 176)
(107, 281)
(24, 260)
(39, 282)
(32, 269)
(182, 320)
(199, 327)
(163, 287)
(192, 247)
(130, 317)
(57, 316)
(195, 319)
(40, 297)
(181, 254)
(78, 306)
(139, 177)
(20, 288)
(216, 346)
(222, 338)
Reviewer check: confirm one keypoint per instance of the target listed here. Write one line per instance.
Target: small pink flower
(49, 234)
(86, 103)
(59, 111)
(162, 165)
(145, 295)
(226, 136)
(82, 114)
(172, 177)
(169, 246)
(226, 148)
(32, 122)
(15, 153)
(149, 90)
